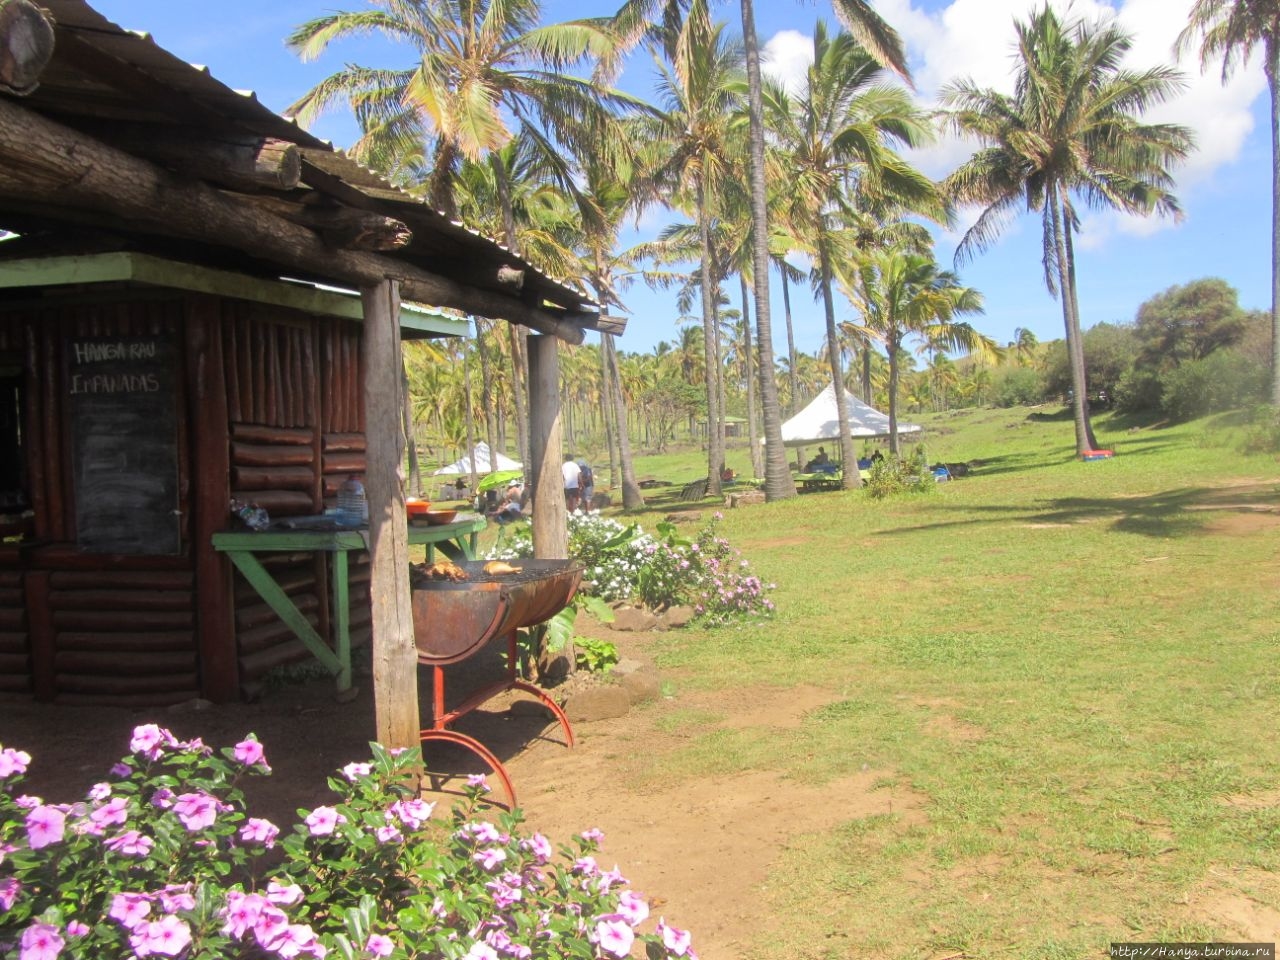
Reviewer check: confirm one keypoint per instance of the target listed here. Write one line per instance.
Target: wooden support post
(550, 526)
(219, 664)
(395, 656)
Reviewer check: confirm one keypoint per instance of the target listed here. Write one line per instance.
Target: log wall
(146, 630)
(92, 627)
(296, 434)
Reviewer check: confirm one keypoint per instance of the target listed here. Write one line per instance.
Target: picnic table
(456, 540)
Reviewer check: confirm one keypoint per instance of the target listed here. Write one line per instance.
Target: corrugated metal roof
(101, 71)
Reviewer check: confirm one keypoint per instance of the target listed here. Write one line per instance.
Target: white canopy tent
(487, 461)
(819, 421)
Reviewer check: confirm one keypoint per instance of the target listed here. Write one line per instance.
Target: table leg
(261, 580)
(342, 619)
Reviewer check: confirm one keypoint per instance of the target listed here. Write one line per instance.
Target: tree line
(514, 127)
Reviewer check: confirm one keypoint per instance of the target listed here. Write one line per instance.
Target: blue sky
(1224, 189)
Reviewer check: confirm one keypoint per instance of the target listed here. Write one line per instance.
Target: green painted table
(456, 540)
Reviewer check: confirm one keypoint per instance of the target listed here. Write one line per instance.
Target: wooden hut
(170, 338)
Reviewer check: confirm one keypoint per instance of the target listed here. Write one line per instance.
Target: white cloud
(787, 57)
(974, 38)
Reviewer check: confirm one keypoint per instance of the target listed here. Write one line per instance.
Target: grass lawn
(1074, 666)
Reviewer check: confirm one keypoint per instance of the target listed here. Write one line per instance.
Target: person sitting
(726, 475)
(821, 460)
(821, 463)
(512, 506)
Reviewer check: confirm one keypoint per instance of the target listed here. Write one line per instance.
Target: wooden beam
(343, 227)
(395, 655)
(550, 526)
(239, 162)
(26, 46)
(46, 163)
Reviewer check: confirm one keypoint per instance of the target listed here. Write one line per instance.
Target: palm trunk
(793, 377)
(486, 384)
(410, 440)
(894, 448)
(711, 359)
(778, 482)
(1272, 55)
(1075, 329)
(632, 498)
(1075, 351)
(852, 479)
(519, 335)
(866, 374)
(748, 359)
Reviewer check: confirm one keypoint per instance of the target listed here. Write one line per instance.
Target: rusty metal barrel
(453, 620)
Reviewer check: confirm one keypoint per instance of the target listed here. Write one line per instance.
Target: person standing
(572, 477)
(586, 485)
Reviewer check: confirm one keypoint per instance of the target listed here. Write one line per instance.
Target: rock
(555, 666)
(678, 616)
(597, 703)
(529, 708)
(744, 498)
(633, 620)
(684, 516)
(601, 500)
(640, 680)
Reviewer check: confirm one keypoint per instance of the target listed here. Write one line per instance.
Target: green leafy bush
(161, 859)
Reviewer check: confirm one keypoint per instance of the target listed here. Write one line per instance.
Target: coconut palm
(1232, 28)
(698, 99)
(1070, 129)
(482, 67)
(904, 294)
(835, 142)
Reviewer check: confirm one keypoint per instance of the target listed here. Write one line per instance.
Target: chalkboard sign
(125, 451)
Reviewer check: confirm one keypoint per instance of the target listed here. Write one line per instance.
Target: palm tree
(1233, 28)
(698, 99)
(1070, 128)
(903, 294)
(834, 141)
(482, 64)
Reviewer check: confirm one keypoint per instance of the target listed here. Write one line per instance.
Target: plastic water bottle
(352, 504)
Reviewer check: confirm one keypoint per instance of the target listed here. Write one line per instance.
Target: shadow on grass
(1169, 514)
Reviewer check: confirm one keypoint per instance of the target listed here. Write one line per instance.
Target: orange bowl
(438, 517)
(416, 508)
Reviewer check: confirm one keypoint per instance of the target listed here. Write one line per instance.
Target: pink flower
(41, 941)
(131, 843)
(242, 912)
(354, 771)
(162, 799)
(196, 810)
(257, 830)
(270, 926)
(490, 857)
(540, 847)
(169, 936)
(478, 781)
(412, 813)
(387, 834)
(129, 909)
(13, 761)
(479, 951)
(120, 770)
(294, 939)
(77, 928)
(594, 835)
(10, 887)
(147, 739)
(110, 814)
(250, 753)
(285, 895)
(45, 825)
(586, 866)
(633, 908)
(378, 946)
(675, 940)
(614, 935)
(176, 898)
(322, 820)
(100, 791)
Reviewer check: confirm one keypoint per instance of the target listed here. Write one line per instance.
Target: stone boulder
(600, 702)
